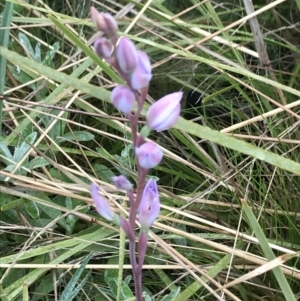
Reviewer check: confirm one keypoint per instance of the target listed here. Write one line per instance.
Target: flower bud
(103, 48)
(165, 112)
(104, 22)
(101, 204)
(126, 54)
(123, 99)
(142, 75)
(150, 206)
(148, 155)
(122, 183)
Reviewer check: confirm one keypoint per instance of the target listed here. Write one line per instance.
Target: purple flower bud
(123, 98)
(127, 55)
(103, 48)
(150, 206)
(122, 183)
(165, 112)
(149, 155)
(101, 203)
(104, 22)
(142, 75)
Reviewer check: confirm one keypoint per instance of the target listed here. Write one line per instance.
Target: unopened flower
(101, 204)
(142, 75)
(104, 22)
(165, 112)
(123, 98)
(103, 47)
(122, 183)
(150, 205)
(127, 55)
(149, 155)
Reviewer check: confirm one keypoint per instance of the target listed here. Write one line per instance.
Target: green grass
(229, 222)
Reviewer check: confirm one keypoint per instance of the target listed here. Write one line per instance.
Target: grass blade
(285, 288)
(4, 38)
(71, 291)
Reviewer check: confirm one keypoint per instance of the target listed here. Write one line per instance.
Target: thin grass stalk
(121, 262)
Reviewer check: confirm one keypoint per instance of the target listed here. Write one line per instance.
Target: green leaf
(147, 298)
(38, 53)
(14, 204)
(21, 76)
(162, 275)
(48, 60)
(172, 295)
(26, 43)
(44, 288)
(12, 276)
(125, 291)
(70, 290)
(70, 218)
(103, 172)
(5, 152)
(2, 294)
(54, 213)
(36, 162)
(22, 150)
(111, 279)
(57, 129)
(32, 209)
(77, 136)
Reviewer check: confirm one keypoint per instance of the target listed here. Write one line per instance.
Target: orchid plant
(134, 67)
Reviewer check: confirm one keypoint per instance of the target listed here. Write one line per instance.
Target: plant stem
(135, 201)
(137, 279)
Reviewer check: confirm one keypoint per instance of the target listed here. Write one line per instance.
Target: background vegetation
(229, 181)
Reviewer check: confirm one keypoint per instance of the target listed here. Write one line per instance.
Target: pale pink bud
(126, 54)
(142, 75)
(122, 183)
(149, 155)
(123, 99)
(104, 22)
(101, 204)
(165, 112)
(103, 48)
(150, 206)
